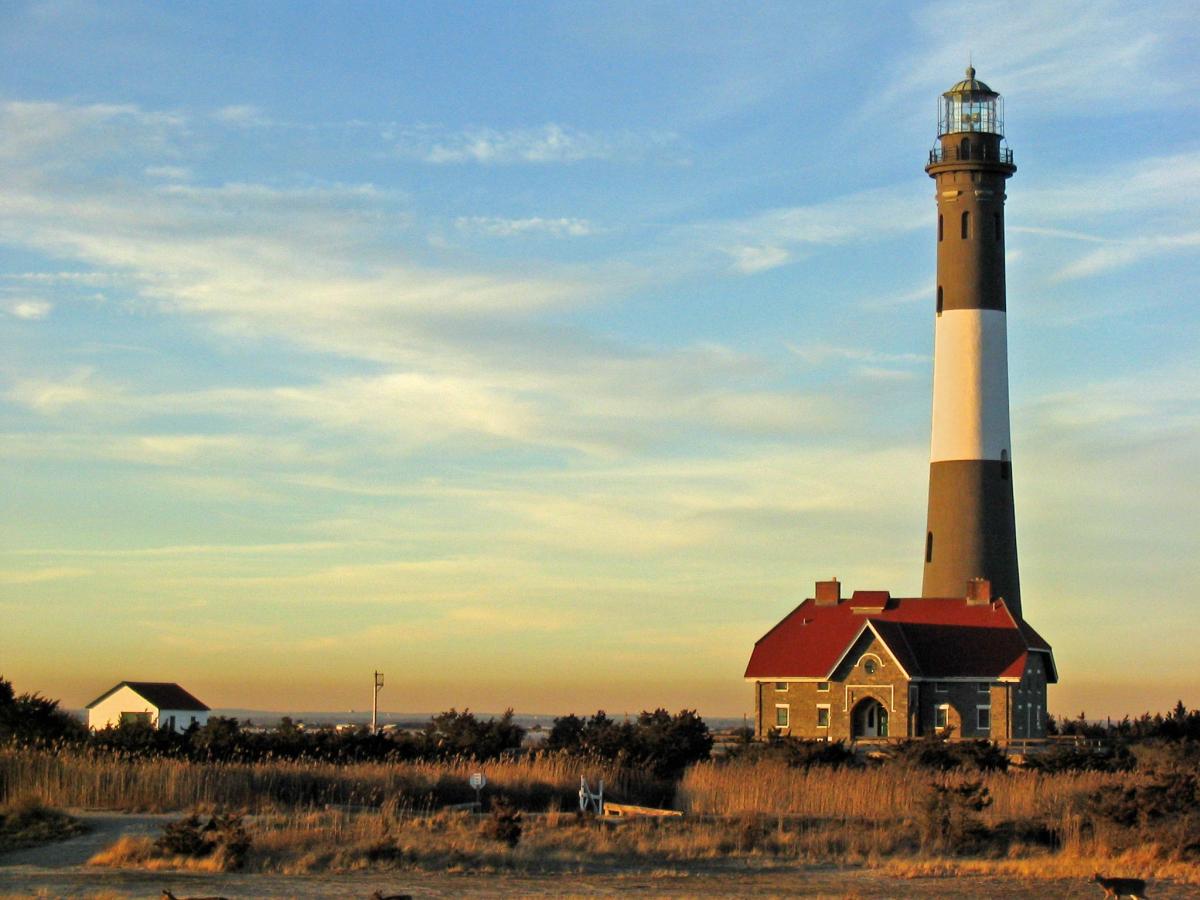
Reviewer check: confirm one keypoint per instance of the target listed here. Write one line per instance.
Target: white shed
(162, 704)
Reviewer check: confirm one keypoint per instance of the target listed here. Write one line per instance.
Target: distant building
(162, 704)
(875, 666)
(954, 660)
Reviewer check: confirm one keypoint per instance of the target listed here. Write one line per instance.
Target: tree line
(663, 743)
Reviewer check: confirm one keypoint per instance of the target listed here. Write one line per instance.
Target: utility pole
(375, 703)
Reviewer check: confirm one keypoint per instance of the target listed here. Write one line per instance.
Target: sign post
(477, 781)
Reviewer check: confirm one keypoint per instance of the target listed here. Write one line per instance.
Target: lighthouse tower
(971, 531)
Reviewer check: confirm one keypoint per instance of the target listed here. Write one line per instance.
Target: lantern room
(970, 124)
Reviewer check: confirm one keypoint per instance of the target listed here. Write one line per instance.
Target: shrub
(940, 755)
(223, 836)
(1164, 809)
(504, 825)
(797, 753)
(656, 740)
(949, 815)
(1082, 759)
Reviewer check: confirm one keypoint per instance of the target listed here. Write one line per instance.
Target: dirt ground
(60, 870)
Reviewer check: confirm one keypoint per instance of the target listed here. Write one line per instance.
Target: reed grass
(874, 794)
(75, 779)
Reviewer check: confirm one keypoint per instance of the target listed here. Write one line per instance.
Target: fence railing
(974, 152)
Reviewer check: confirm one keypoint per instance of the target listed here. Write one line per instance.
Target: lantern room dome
(971, 85)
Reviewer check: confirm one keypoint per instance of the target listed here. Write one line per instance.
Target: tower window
(939, 227)
(966, 224)
(929, 547)
(996, 225)
(964, 149)
(939, 300)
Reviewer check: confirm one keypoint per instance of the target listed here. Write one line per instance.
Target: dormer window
(869, 666)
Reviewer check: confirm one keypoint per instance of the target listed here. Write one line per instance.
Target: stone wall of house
(850, 685)
(962, 700)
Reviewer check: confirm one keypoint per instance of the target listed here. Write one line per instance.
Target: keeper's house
(877, 666)
(162, 704)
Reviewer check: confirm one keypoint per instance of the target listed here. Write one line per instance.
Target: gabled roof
(930, 637)
(159, 694)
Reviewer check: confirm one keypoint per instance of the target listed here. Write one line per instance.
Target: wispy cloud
(37, 576)
(550, 143)
(770, 239)
(758, 259)
(499, 227)
(30, 310)
(52, 396)
(1118, 254)
(242, 115)
(1060, 59)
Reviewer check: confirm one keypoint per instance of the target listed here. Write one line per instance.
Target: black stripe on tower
(971, 530)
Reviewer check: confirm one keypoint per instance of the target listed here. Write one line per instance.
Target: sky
(544, 354)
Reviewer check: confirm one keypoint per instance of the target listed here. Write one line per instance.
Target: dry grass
(300, 843)
(310, 817)
(878, 793)
(140, 853)
(112, 782)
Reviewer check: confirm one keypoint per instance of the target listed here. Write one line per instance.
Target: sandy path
(59, 870)
(103, 829)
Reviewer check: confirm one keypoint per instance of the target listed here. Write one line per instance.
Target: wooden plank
(628, 809)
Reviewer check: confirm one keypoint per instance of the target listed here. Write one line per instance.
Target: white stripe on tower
(970, 386)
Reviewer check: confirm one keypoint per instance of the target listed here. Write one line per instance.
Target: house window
(823, 687)
(171, 722)
(823, 716)
(983, 687)
(781, 685)
(781, 716)
(135, 718)
(966, 224)
(983, 718)
(940, 687)
(941, 719)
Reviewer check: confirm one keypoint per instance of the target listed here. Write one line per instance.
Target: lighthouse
(971, 526)
(960, 660)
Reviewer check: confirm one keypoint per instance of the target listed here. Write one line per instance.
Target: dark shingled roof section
(931, 637)
(159, 694)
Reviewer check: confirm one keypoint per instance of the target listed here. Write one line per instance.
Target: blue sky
(545, 354)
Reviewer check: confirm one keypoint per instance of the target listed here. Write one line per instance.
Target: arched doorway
(870, 719)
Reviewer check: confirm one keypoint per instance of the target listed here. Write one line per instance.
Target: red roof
(930, 637)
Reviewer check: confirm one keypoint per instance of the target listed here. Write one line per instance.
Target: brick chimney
(829, 593)
(979, 592)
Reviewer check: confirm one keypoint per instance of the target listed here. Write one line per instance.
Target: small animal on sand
(167, 895)
(1121, 887)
